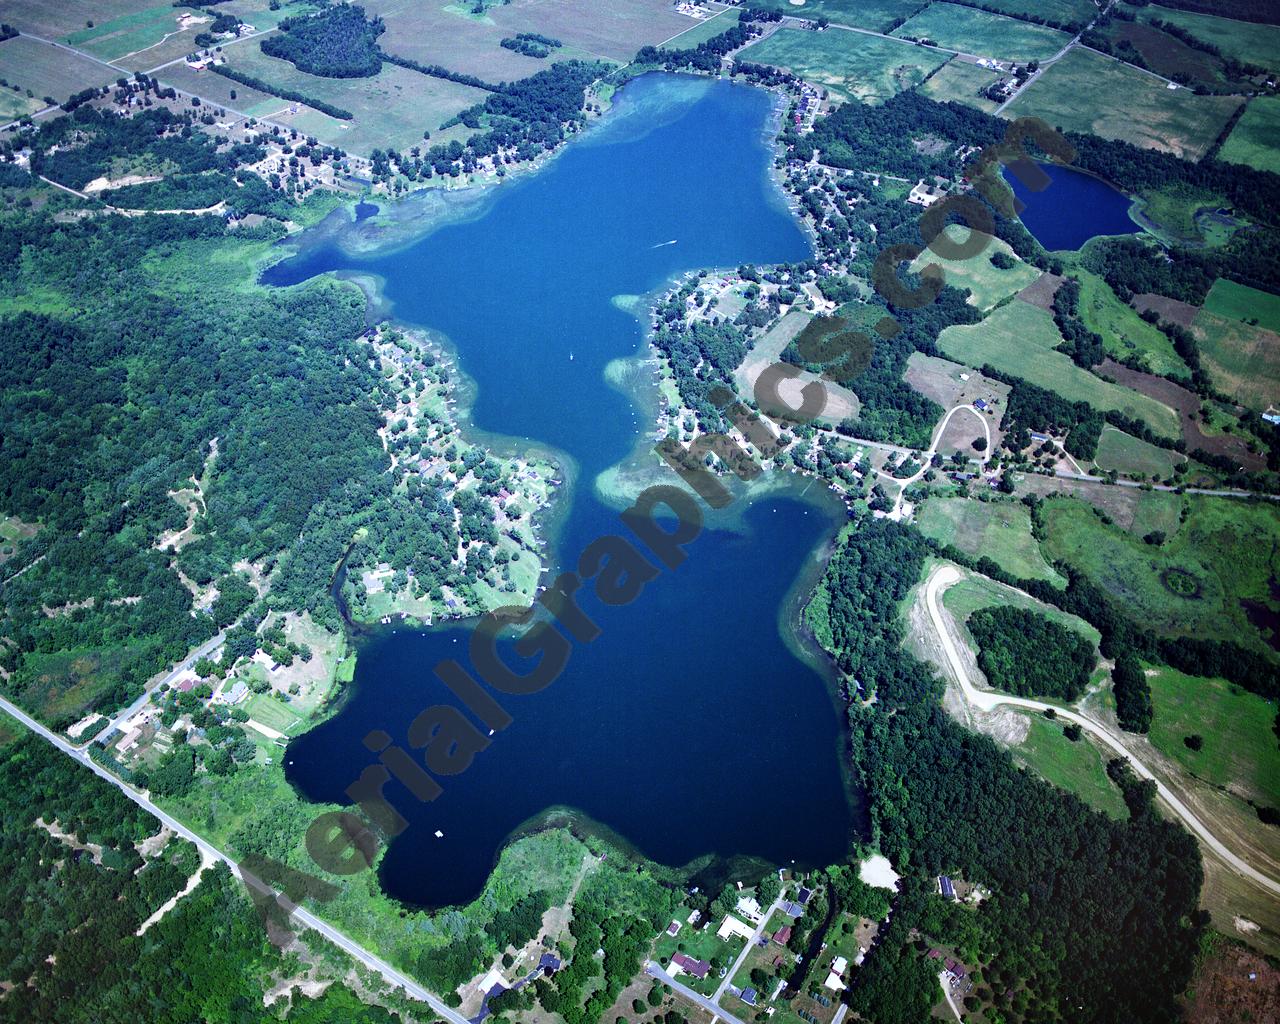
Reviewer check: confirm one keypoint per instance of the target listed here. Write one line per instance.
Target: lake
(689, 727)
(1074, 208)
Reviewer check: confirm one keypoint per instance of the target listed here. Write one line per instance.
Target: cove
(1074, 208)
(689, 727)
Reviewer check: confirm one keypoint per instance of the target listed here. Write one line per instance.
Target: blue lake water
(688, 727)
(1074, 208)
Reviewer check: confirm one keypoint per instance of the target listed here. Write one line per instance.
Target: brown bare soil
(1041, 291)
(1186, 403)
(1223, 992)
(1181, 313)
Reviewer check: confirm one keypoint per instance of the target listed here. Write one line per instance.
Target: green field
(1240, 749)
(391, 109)
(1240, 302)
(1124, 333)
(849, 64)
(877, 15)
(1131, 457)
(1078, 767)
(975, 592)
(1247, 41)
(999, 530)
(271, 712)
(1064, 12)
(1184, 214)
(1019, 338)
(49, 71)
(709, 29)
(58, 20)
(988, 35)
(1255, 140)
(1089, 92)
(962, 82)
(987, 284)
(1243, 360)
(1226, 551)
(138, 31)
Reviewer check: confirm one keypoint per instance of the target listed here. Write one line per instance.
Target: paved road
(202, 651)
(654, 971)
(1212, 492)
(942, 578)
(751, 942)
(301, 914)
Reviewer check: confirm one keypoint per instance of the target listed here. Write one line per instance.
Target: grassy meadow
(1132, 457)
(1243, 360)
(1124, 333)
(963, 83)
(1089, 92)
(987, 284)
(47, 71)
(1255, 140)
(877, 15)
(1240, 302)
(1078, 767)
(851, 65)
(1064, 12)
(970, 30)
(1020, 339)
(1245, 40)
(1000, 530)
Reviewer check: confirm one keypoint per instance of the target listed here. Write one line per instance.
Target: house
(839, 965)
(549, 963)
(783, 935)
(732, 926)
(980, 404)
(791, 909)
(804, 896)
(695, 917)
(749, 908)
(834, 982)
(686, 963)
(946, 888)
(235, 694)
(956, 970)
(1039, 437)
(673, 929)
(748, 996)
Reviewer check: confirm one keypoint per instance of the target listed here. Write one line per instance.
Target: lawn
(1124, 333)
(1129, 456)
(48, 71)
(1000, 530)
(1240, 751)
(391, 109)
(1078, 767)
(853, 66)
(1243, 360)
(1090, 92)
(987, 284)
(988, 35)
(1255, 140)
(1247, 41)
(1226, 551)
(1019, 338)
(271, 712)
(1240, 302)
(877, 15)
(963, 82)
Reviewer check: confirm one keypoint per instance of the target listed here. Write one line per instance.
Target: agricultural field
(1089, 92)
(1124, 333)
(1000, 530)
(877, 15)
(1063, 12)
(149, 36)
(851, 65)
(701, 31)
(987, 283)
(47, 71)
(1078, 767)
(1242, 359)
(969, 30)
(613, 31)
(1020, 339)
(1246, 41)
(1195, 582)
(1240, 302)
(1239, 752)
(59, 20)
(1132, 457)
(391, 109)
(1255, 140)
(1167, 55)
(962, 82)
(217, 91)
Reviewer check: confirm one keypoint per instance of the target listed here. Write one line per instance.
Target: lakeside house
(731, 926)
(749, 908)
(792, 910)
(783, 935)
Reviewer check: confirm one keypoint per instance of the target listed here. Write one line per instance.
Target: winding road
(945, 576)
(927, 457)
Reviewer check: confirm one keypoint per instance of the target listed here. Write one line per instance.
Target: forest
(1089, 918)
(1027, 654)
(334, 42)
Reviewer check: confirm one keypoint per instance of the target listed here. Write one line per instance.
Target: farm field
(1166, 55)
(1078, 767)
(1019, 338)
(150, 36)
(392, 108)
(1193, 583)
(1240, 302)
(1243, 360)
(999, 530)
(962, 82)
(1132, 457)
(970, 30)
(217, 90)
(1239, 752)
(701, 31)
(59, 20)
(1063, 12)
(853, 66)
(1124, 333)
(1255, 140)
(1088, 92)
(987, 284)
(614, 31)
(1245, 40)
(877, 15)
(49, 71)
